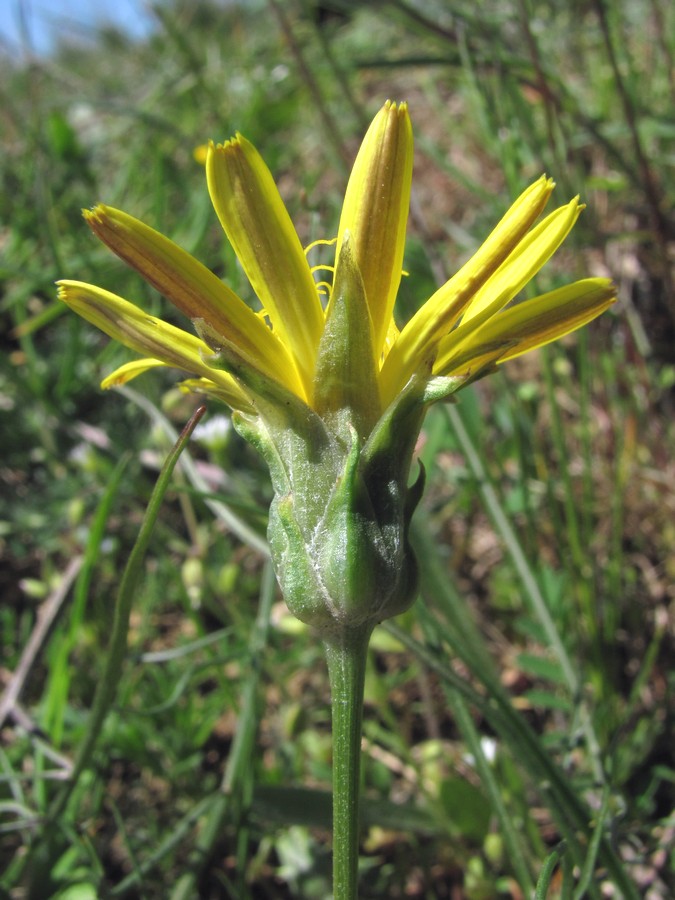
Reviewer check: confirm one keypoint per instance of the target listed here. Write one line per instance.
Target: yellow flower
(349, 353)
(321, 380)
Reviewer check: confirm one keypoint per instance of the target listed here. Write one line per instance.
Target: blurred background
(527, 696)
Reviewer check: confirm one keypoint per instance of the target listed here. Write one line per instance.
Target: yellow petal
(438, 315)
(526, 260)
(190, 286)
(129, 371)
(145, 334)
(521, 266)
(260, 230)
(530, 324)
(375, 212)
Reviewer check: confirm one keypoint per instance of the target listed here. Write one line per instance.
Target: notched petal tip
(66, 289)
(95, 214)
(392, 105)
(100, 219)
(232, 145)
(398, 116)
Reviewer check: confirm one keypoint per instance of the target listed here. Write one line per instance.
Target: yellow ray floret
(192, 288)
(526, 326)
(164, 343)
(419, 338)
(260, 230)
(375, 212)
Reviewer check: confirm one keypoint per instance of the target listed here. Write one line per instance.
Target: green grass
(526, 697)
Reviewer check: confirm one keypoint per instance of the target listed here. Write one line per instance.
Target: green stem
(346, 654)
(112, 672)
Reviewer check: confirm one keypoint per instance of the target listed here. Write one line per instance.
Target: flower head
(465, 328)
(333, 393)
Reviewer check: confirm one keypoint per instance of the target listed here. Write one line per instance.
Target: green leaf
(542, 667)
(549, 700)
(467, 808)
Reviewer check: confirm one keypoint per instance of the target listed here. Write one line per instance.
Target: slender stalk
(346, 653)
(107, 686)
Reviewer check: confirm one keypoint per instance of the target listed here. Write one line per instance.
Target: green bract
(338, 525)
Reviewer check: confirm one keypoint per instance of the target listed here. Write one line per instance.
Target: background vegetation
(527, 697)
